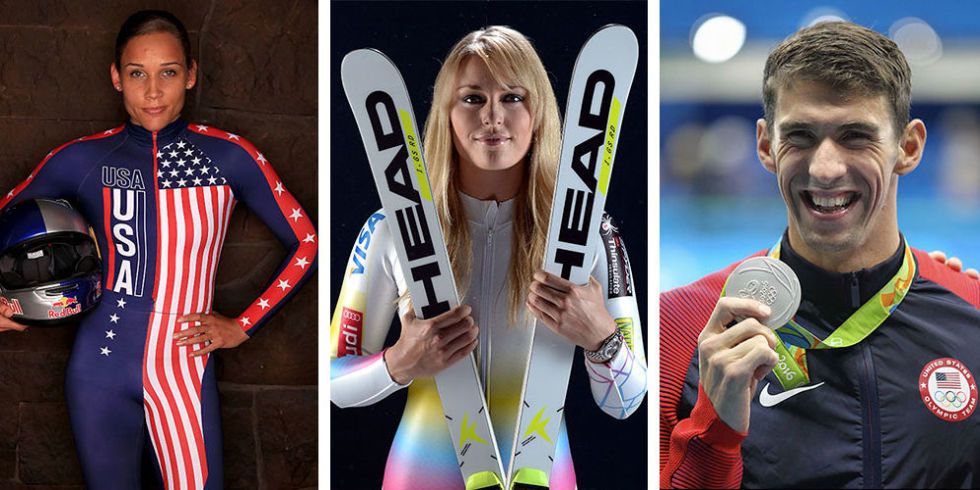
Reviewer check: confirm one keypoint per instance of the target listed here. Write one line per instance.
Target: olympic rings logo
(950, 400)
(760, 291)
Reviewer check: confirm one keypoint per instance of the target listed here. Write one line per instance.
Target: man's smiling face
(837, 159)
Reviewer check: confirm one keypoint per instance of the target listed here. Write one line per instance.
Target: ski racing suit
(159, 204)
(893, 410)
(422, 449)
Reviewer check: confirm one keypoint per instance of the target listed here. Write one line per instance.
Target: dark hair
(148, 22)
(845, 56)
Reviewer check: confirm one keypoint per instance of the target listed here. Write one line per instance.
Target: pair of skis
(600, 85)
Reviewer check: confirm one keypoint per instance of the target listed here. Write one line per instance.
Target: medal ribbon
(795, 340)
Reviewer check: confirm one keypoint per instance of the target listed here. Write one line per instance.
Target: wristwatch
(607, 350)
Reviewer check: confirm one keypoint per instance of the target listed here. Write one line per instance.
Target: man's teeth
(830, 202)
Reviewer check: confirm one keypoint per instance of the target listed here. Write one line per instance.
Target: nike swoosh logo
(769, 400)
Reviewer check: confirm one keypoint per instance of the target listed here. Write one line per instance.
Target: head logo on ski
(412, 223)
(576, 223)
(600, 86)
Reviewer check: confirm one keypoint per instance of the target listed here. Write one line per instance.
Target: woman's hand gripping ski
(428, 346)
(575, 312)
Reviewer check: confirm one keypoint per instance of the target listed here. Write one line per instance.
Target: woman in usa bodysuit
(491, 144)
(159, 191)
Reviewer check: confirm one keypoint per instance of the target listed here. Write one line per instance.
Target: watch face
(607, 350)
(611, 347)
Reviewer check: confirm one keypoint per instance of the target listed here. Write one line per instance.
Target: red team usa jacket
(896, 410)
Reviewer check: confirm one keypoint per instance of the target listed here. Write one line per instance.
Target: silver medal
(770, 282)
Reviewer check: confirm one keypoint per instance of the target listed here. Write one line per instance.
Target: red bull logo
(13, 304)
(65, 301)
(64, 307)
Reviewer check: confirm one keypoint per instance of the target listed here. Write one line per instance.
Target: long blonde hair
(512, 61)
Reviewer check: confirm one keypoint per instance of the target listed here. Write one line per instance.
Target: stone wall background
(258, 66)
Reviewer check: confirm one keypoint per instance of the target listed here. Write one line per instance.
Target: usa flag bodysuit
(160, 204)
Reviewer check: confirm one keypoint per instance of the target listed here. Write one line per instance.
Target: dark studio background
(608, 453)
(257, 78)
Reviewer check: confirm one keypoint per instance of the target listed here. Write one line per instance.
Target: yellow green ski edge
(529, 478)
(484, 480)
(412, 144)
(612, 134)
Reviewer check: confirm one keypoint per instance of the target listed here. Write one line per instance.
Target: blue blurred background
(717, 204)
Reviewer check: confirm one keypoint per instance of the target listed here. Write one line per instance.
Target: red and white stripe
(192, 225)
(300, 224)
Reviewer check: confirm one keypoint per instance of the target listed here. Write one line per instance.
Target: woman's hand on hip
(211, 331)
(577, 313)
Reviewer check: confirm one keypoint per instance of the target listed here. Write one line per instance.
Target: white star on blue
(193, 162)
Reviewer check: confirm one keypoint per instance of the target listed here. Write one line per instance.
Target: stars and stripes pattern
(195, 202)
(196, 181)
(300, 224)
(194, 207)
(948, 380)
(181, 165)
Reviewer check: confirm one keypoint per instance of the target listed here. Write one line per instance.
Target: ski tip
(619, 32)
(364, 52)
(529, 479)
(484, 480)
(359, 57)
(368, 64)
(615, 27)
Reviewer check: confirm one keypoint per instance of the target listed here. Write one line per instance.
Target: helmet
(50, 268)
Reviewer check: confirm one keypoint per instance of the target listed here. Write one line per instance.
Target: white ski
(600, 84)
(378, 96)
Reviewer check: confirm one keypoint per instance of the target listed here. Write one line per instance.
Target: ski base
(484, 480)
(529, 479)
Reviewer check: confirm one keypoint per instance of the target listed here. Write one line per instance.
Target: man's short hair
(852, 59)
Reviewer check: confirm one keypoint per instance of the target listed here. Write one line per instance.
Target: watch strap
(601, 354)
